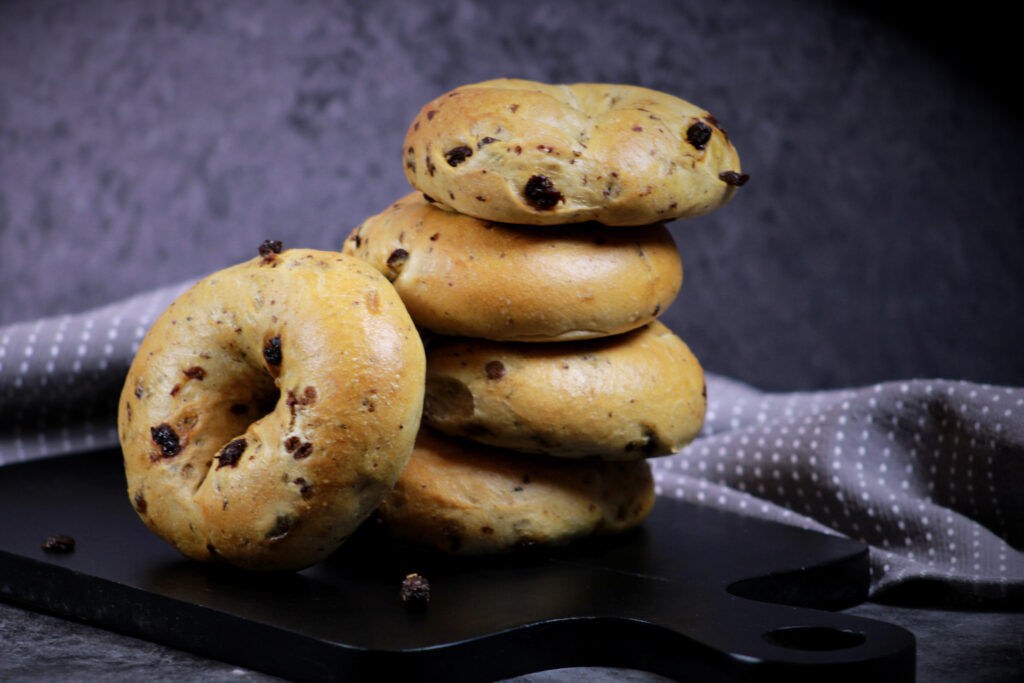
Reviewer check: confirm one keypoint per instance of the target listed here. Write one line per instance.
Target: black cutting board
(691, 595)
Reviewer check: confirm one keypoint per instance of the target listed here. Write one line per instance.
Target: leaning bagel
(518, 151)
(626, 397)
(464, 498)
(270, 409)
(465, 277)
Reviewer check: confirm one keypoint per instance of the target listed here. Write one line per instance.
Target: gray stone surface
(956, 645)
(144, 143)
(40, 647)
(952, 646)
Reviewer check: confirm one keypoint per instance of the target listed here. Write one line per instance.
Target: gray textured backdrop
(142, 143)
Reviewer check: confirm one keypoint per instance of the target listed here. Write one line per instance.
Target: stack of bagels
(534, 259)
(275, 405)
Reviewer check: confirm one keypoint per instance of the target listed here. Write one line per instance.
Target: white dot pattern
(60, 378)
(928, 473)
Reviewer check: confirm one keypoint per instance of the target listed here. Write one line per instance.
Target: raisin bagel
(464, 498)
(465, 277)
(519, 151)
(270, 409)
(626, 397)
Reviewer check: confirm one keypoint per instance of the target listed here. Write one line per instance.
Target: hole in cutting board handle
(813, 638)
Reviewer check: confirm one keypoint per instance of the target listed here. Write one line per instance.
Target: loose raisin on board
(415, 592)
(59, 543)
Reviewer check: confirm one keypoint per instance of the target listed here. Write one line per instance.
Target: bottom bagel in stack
(460, 497)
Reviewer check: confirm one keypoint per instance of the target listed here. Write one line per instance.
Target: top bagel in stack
(518, 151)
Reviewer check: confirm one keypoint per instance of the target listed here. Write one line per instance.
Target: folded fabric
(60, 378)
(928, 473)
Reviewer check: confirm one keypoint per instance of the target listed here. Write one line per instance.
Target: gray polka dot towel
(928, 473)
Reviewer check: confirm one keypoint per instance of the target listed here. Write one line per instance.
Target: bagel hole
(250, 402)
(241, 405)
(256, 407)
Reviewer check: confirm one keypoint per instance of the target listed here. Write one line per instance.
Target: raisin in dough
(519, 151)
(466, 277)
(464, 498)
(270, 409)
(626, 397)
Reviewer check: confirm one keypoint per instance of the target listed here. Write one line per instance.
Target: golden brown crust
(270, 408)
(519, 151)
(465, 498)
(465, 277)
(621, 398)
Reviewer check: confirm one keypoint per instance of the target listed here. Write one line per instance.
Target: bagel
(270, 408)
(465, 277)
(519, 151)
(464, 498)
(626, 397)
